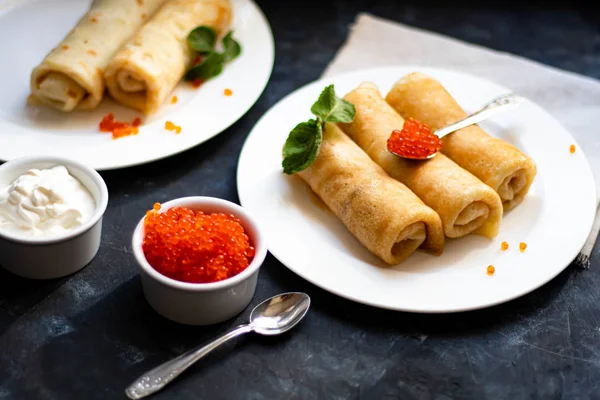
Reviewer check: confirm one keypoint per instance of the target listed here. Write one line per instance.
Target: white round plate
(202, 113)
(554, 219)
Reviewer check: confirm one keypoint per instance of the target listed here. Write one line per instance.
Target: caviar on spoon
(415, 140)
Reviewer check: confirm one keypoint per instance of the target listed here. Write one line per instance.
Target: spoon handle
(498, 105)
(154, 380)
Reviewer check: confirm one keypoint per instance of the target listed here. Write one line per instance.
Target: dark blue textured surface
(87, 336)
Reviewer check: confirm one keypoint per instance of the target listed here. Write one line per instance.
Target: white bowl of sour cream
(50, 216)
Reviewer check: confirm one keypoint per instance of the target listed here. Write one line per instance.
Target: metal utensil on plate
(496, 106)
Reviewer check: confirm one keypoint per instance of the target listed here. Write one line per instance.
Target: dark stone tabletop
(88, 335)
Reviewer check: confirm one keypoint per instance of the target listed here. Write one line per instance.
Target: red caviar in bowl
(192, 246)
(415, 140)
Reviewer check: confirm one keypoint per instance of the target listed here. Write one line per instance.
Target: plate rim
(479, 305)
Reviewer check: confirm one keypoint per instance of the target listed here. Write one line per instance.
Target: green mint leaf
(231, 47)
(202, 39)
(210, 67)
(302, 146)
(331, 108)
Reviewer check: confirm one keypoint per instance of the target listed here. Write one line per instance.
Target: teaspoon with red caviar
(272, 317)
(402, 144)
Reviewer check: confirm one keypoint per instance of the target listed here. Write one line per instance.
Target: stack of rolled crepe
(71, 75)
(464, 203)
(149, 66)
(382, 213)
(498, 164)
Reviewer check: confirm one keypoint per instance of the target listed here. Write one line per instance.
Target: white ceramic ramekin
(201, 303)
(56, 256)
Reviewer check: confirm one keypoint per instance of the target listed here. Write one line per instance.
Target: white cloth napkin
(573, 99)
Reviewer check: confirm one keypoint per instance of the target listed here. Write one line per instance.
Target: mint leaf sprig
(203, 40)
(302, 144)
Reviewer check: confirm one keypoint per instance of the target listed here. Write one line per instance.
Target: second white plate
(554, 220)
(202, 113)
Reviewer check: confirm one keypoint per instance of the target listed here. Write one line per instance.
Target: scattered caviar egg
(118, 129)
(107, 123)
(174, 99)
(121, 132)
(415, 140)
(227, 92)
(196, 83)
(572, 149)
(192, 246)
(522, 246)
(504, 246)
(137, 121)
(172, 127)
(490, 270)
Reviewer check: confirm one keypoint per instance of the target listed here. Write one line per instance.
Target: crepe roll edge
(71, 76)
(67, 87)
(362, 196)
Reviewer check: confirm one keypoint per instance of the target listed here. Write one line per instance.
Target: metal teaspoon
(496, 106)
(271, 317)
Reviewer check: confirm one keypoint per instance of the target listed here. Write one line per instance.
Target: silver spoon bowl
(496, 106)
(273, 316)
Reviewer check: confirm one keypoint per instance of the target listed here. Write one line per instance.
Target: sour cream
(48, 202)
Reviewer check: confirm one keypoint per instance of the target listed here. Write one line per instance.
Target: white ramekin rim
(101, 203)
(248, 222)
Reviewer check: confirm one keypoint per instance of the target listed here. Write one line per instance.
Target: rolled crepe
(383, 214)
(71, 75)
(498, 164)
(145, 71)
(464, 203)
